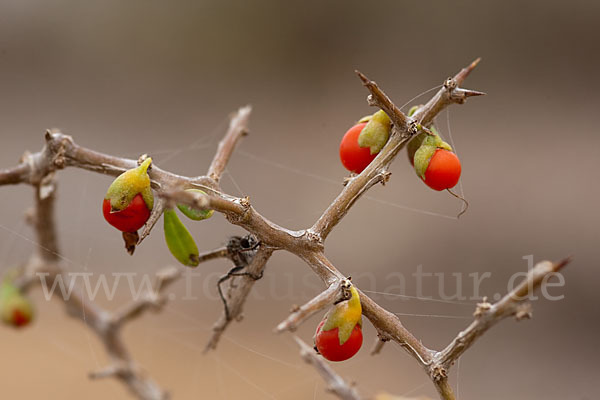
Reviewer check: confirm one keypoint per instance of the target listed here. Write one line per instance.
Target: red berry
(328, 343)
(355, 158)
(20, 319)
(131, 218)
(443, 171)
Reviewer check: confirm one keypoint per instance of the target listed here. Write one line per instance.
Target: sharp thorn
(362, 76)
(559, 265)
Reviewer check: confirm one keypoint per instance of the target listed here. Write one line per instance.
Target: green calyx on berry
(179, 240)
(192, 213)
(15, 309)
(366, 118)
(376, 133)
(128, 185)
(345, 315)
(414, 144)
(428, 146)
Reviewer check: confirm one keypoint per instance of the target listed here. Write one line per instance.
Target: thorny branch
(46, 267)
(513, 304)
(238, 127)
(61, 151)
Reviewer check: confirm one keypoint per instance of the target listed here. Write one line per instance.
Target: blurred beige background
(128, 77)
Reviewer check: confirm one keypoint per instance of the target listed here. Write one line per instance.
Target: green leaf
(192, 213)
(179, 240)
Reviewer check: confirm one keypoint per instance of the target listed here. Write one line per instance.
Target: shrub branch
(61, 151)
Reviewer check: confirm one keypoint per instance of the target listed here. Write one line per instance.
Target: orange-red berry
(353, 157)
(131, 218)
(443, 171)
(20, 319)
(129, 199)
(328, 343)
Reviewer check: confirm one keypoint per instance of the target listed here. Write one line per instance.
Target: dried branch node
(482, 308)
(438, 373)
(523, 311)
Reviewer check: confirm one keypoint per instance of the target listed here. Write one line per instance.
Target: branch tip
(362, 77)
(474, 63)
(238, 127)
(463, 73)
(563, 263)
(472, 93)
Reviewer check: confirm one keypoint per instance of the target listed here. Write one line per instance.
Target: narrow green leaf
(192, 213)
(179, 240)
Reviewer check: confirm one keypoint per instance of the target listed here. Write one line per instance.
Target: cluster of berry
(433, 159)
